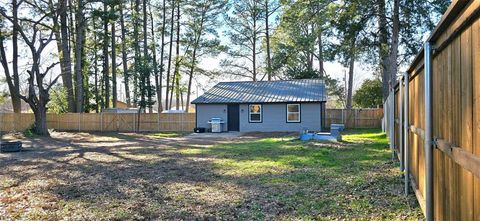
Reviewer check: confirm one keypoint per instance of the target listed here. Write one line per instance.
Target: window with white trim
(255, 113)
(293, 113)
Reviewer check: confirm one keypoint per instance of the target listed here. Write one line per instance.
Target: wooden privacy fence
(443, 156)
(124, 122)
(132, 122)
(355, 118)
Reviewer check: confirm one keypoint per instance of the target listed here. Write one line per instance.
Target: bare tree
(37, 35)
(13, 81)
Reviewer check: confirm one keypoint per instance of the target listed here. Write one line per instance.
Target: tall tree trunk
(137, 59)
(86, 82)
(102, 87)
(71, 25)
(4, 62)
(124, 57)
(267, 40)
(172, 22)
(95, 64)
(114, 63)
(155, 65)
(178, 90)
(105, 57)
(181, 98)
(80, 36)
(38, 104)
(310, 53)
(65, 59)
(391, 65)
(12, 81)
(350, 74)
(194, 60)
(15, 94)
(388, 53)
(40, 121)
(172, 90)
(190, 76)
(383, 46)
(320, 54)
(177, 59)
(350, 83)
(159, 89)
(254, 47)
(146, 59)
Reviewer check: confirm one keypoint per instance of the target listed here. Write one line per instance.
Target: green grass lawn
(353, 179)
(125, 177)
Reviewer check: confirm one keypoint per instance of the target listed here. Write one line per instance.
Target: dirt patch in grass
(83, 176)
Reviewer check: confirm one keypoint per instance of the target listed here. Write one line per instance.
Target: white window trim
(299, 114)
(250, 114)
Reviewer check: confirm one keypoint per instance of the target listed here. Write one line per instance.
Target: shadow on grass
(143, 178)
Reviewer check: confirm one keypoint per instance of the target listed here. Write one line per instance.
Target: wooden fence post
(158, 121)
(181, 119)
(12, 123)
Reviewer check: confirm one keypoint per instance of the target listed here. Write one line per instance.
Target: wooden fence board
(128, 122)
(476, 114)
(456, 83)
(355, 118)
(114, 122)
(466, 181)
(455, 117)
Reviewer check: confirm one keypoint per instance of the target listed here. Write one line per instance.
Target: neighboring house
(268, 106)
(122, 105)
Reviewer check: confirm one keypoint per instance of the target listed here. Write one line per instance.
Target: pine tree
(201, 36)
(244, 30)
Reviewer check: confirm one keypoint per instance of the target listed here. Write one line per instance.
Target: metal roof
(304, 90)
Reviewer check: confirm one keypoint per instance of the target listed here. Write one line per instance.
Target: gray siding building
(264, 106)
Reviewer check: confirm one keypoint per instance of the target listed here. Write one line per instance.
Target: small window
(255, 113)
(293, 113)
